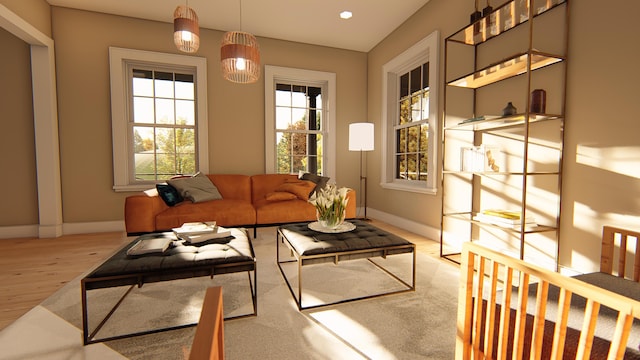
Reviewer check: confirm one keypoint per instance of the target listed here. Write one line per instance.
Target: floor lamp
(361, 139)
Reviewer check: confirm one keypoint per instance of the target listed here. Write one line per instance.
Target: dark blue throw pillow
(169, 194)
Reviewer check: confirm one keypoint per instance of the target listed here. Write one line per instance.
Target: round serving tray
(344, 227)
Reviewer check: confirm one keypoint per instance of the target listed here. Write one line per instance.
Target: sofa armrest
(140, 213)
(352, 204)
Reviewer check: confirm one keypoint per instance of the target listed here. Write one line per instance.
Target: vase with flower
(331, 205)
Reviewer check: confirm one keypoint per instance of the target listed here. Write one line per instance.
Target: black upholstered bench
(180, 261)
(364, 242)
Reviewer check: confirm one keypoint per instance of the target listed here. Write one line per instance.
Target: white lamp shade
(361, 137)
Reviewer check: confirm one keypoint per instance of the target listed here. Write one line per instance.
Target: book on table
(152, 243)
(195, 228)
(218, 233)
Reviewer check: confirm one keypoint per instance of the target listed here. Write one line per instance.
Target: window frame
(324, 80)
(120, 60)
(426, 50)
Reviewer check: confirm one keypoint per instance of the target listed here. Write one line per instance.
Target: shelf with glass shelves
(488, 123)
(508, 16)
(507, 68)
(472, 216)
(524, 171)
(499, 173)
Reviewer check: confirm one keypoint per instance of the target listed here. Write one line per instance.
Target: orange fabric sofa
(244, 203)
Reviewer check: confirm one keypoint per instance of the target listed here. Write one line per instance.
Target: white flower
(330, 203)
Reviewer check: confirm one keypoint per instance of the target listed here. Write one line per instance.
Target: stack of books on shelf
(505, 218)
(196, 232)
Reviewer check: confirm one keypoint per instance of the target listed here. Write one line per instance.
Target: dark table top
(364, 237)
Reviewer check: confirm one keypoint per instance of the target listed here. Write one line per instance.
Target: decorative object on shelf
(538, 103)
(477, 26)
(186, 32)
(491, 20)
(509, 16)
(240, 56)
(476, 15)
(509, 110)
(481, 158)
(331, 205)
(361, 139)
(523, 10)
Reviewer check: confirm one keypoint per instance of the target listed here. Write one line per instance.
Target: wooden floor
(32, 269)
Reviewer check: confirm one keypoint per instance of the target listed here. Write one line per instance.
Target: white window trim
(425, 50)
(119, 58)
(325, 80)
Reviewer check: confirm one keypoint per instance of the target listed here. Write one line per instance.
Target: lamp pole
(361, 138)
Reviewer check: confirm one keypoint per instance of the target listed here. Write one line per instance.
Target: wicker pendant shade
(186, 32)
(240, 57)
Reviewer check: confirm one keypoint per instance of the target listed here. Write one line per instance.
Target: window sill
(133, 188)
(410, 188)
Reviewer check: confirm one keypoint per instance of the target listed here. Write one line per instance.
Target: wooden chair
(491, 329)
(208, 342)
(609, 234)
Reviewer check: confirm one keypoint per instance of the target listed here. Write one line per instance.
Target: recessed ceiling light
(346, 15)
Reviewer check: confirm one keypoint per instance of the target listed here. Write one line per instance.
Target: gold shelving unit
(529, 178)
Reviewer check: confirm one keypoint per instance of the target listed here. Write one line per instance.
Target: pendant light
(186, 32)
(240, 56)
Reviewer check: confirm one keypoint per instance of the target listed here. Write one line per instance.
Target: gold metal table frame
(139, 278)
(335, 257)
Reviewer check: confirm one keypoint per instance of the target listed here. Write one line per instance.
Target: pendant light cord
(240, 15)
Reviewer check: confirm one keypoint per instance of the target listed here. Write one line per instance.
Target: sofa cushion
(169, 194)
(197, 188)
(225, 212)
(282, 212)
(300, 188)
(280, 196)
(233, 186)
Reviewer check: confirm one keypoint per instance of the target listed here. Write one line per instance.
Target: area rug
(412, 325)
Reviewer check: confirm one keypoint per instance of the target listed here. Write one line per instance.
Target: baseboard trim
(38, 231)
(22, 231)
(10, 232)
(412, 226)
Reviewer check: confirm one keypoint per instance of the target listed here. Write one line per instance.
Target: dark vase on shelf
(538, 101)
(509, 110)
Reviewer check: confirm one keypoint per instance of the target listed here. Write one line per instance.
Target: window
(410, 118)
(299, 135)
(412, 125)
(299, 128)
(155, 113)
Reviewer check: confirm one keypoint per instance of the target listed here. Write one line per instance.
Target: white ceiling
(314, 22)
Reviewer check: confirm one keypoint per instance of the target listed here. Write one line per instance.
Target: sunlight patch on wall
(620, 160)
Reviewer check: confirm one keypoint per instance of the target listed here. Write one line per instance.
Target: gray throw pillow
(197, 188)
(320, 181)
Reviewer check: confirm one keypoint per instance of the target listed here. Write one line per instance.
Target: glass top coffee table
(328, 250)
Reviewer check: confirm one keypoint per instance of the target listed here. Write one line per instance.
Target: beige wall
(35, 12)
(446, 17)
(602, 148)
(236, 112)
(20, 196)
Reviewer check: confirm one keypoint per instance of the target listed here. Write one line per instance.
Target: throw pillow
(280, 196)
(169, 194)
(300, 188)
(197, 188)
(320, 181)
